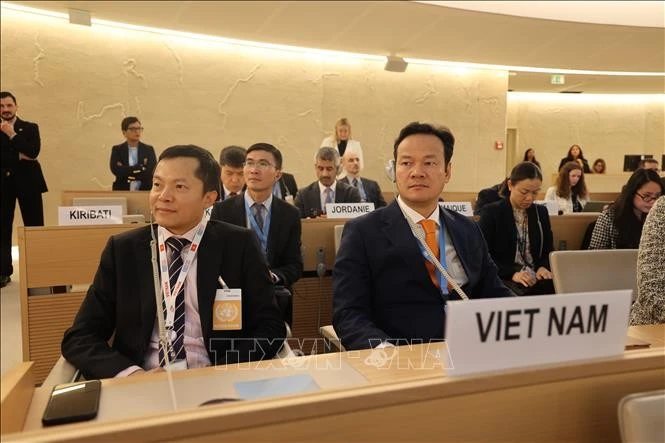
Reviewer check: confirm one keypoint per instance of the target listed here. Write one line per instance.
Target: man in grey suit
(369, 190)
(312, 199)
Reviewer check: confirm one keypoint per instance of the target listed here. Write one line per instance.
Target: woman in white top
(342, 141)
(570, 191)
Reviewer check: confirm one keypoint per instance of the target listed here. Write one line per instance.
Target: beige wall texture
(79, 82)
(604, 127)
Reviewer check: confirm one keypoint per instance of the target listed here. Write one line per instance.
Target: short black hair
(124, 125)
(328, 154)
(267, 147)
(208, 171)
(5, 94)
(525, 171)
(643, 163)
(441, 132)
(233, 156)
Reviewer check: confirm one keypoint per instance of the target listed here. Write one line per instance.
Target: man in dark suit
(311, 200)
(22, 177)
(132, 162)
(232, 160)
(275, 222)
(384, 291)
(369, 190)
(286, 187)
(207, 325)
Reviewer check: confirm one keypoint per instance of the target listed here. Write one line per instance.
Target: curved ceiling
(416, 30)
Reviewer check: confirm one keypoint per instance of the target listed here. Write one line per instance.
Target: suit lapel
(397, 232)
(240, 215)
(315, 196)
(207, 270)
(143, 262)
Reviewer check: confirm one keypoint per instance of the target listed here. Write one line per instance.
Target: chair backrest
(642, 417)
(338, 236)
(595, 270)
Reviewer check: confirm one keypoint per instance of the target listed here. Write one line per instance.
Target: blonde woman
(342, 141)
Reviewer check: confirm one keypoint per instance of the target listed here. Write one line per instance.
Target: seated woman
(619, 226)
(575, 154)
(599, 166)
(649, 308)
(570, 191)
(518, 234)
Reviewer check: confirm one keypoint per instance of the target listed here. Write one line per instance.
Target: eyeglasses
(261, 165)
(133, 128)
(648, 198)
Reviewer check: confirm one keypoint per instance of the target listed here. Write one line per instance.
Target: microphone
(164, 344)
(419, 234)
(321, 262)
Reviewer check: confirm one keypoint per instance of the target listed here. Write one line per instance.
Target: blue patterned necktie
(177, 335)
(257, 210)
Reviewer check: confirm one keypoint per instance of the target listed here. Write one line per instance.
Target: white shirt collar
(189, 235)
(416, 217)
(322, 188)
(267, 202)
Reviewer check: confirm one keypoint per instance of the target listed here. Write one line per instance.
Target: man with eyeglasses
(132, 162)
(275, 222)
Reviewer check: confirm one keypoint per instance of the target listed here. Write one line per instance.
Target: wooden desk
(400, 390)
(137, 201)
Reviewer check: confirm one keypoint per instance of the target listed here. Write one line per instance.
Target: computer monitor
(632, 162)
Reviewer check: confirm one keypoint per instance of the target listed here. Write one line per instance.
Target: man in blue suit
(384, 291)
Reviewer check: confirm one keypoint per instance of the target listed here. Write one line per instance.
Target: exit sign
(558, 79)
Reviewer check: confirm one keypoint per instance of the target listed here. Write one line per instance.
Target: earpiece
(390, 170)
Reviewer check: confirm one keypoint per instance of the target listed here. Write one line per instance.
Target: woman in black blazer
(575, 154)
(519, 235)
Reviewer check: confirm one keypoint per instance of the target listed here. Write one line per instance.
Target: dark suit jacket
(287, 184)
(142, 171)
(487, 196)
(27, 174)
(284, 255)
(498, 225)
(372, 189)
(121, 301)
(381, 288)
(222, 192)
(308, 199)
(585, 164)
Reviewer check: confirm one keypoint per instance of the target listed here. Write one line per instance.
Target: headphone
(390, 170)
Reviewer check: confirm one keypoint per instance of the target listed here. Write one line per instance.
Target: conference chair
(594, 270)
(338, 236)
(642, 417)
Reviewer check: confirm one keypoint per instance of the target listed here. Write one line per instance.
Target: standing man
(132, 162)
(232, 160)
(197, 259)
(22, 177)
(275, 222)
(369, 189)
(312, 199)
(384, 291)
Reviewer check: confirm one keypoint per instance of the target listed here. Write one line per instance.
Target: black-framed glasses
(647, 198)
(261, 164)
(134, 128)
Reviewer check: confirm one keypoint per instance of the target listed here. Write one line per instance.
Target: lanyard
(443, 283)
(261, 234)
(171, 292)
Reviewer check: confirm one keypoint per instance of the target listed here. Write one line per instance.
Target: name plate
(348, 210)
(551, 205)
(503, 333)
(89, 215)
(463, 208)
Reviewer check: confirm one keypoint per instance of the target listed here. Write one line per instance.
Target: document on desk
(271, 387)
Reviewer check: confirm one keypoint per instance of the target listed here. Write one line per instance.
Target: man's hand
(7, 128)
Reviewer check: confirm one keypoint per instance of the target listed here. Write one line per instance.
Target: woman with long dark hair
(570, 191)
(530, 156)
(619, 226)
(575, 154)
(519, 235)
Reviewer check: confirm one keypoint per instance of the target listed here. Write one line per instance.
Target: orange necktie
(430, 238)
